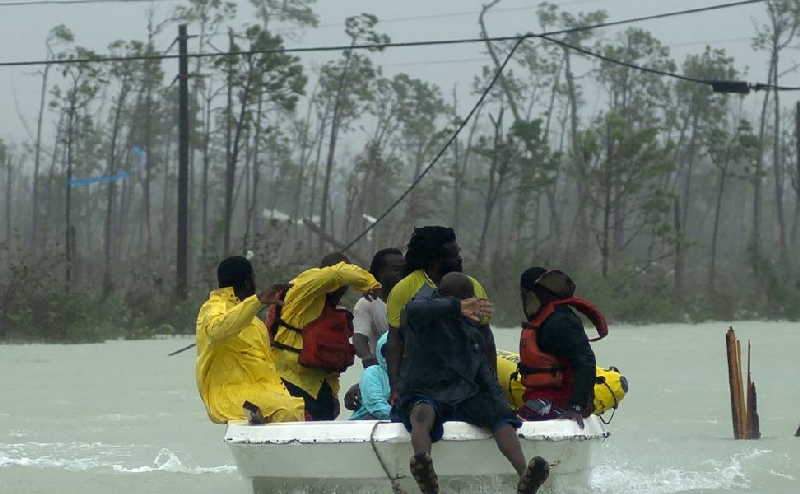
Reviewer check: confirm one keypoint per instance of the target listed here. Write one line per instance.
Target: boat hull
(361, 456)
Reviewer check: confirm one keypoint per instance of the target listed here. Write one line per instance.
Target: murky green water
(121, 417)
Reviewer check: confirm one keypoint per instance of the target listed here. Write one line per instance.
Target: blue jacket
(375, 390)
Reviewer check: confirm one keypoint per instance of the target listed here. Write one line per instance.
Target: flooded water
(121, 417)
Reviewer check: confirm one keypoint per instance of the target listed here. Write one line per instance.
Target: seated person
(445, 376)
(557, 361)
(374, 387)
(234, 363)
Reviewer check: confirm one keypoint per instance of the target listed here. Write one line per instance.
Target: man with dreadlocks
(432, 253)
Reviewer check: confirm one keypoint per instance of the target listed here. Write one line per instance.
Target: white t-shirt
(369, 319)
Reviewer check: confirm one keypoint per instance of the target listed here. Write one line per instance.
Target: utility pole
(183, 163)
(797, 185)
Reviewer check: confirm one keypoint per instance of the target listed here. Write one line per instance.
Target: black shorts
(482, 410)
(323, 407)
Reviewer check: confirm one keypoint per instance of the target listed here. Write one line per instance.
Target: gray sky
(23, 30)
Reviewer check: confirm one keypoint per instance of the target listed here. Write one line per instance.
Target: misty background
(663, 200)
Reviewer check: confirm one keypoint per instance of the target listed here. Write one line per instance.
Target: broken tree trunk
(744, 405)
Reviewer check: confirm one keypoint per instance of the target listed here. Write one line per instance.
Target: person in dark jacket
(445, 376)
(561, 335)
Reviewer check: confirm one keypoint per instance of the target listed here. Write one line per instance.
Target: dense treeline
(664, 201)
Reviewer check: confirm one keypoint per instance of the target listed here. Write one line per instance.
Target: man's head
(456, 285)
(333, 259)
(388, 267)
(237, 272)
(434, 249)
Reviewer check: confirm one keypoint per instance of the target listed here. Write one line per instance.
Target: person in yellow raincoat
(234, 364)
(304, 302)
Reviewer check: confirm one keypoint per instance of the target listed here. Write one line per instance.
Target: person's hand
(486, 308)
(476, 309)
(373, 293)
(572, 414)
(271, 295)
(352, 399)
(471, 309)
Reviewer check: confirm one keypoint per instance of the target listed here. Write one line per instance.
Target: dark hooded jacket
(562, 335)
(444, 354)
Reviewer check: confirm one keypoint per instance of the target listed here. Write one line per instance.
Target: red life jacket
(326, 339)
(545, 375)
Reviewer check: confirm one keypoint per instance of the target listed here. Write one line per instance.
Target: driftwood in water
(744, 399)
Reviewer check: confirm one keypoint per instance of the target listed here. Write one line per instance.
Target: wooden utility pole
(183, 163)
(797, 185)
(69, 233)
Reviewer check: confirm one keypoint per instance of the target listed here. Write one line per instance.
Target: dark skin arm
(394, 356)
(361, 343)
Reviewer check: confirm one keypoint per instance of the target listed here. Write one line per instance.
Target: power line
(74, 2)
(373, 46)
(441, 152)
(719, 86)
(462, 13)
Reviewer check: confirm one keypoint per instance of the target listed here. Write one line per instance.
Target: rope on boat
(396, 489)
(616, 405)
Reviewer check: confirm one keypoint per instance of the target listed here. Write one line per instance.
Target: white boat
(372, 456)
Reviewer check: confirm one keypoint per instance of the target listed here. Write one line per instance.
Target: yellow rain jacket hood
(234, 363)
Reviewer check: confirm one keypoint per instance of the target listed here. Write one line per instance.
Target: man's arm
(424, 310)
(394, 356)
(310, 285)
(219, 324)
(361, 344)
(362, 325)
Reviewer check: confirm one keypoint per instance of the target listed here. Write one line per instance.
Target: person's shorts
(323, 407)
(482, 410)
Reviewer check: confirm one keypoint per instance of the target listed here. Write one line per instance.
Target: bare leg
(421, 465)
(508, 443)
(422, 417)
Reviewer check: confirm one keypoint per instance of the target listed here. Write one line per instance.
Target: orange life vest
(540, 369)
(326, 340)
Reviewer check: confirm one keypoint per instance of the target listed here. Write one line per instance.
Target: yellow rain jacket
(303, 304)
(404, 291)
(234, 363)
(608, 391)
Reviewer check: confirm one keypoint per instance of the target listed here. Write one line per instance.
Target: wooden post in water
(744, 405)
(753, 429)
